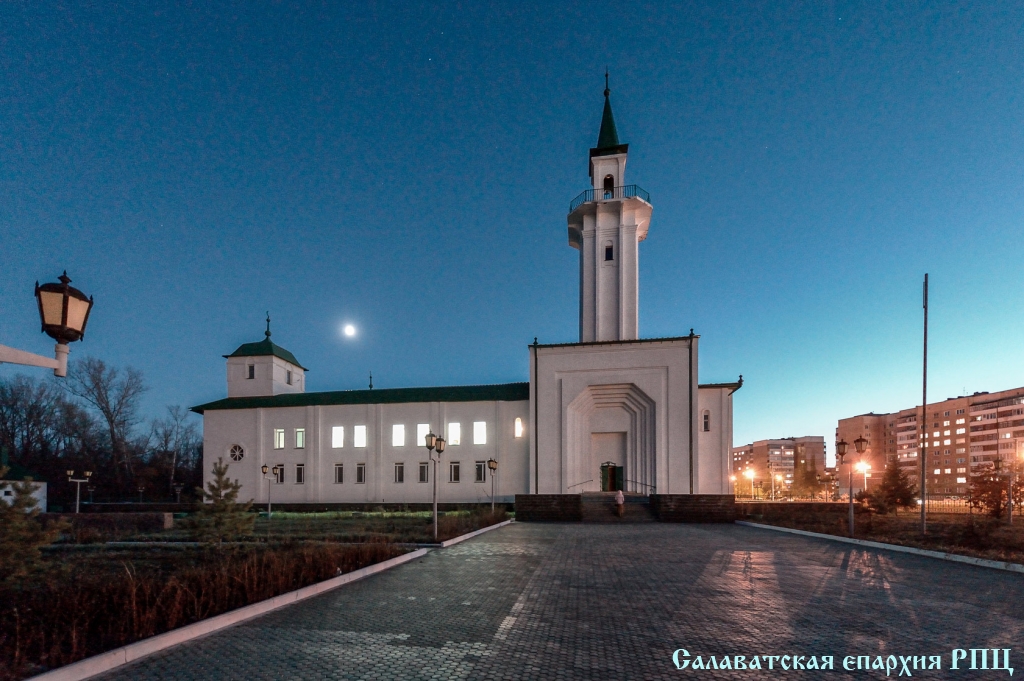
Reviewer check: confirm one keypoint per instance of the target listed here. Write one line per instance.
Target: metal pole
(435, 493)
(924, 415)
(78, 494)
(270, 509)
(851, 499)
(492, 493)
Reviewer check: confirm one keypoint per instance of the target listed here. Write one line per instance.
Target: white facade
(38, 493)
(612, 399)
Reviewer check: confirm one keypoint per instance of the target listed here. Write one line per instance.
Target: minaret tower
(606, 224)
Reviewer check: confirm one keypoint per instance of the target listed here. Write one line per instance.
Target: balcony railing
(628, 191)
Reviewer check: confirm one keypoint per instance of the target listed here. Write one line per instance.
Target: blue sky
(408, 169)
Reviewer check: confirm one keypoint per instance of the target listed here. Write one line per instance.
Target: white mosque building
(612, 411)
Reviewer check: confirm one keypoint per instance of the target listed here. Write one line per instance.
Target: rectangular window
(453, 471)
(300, 474)
(424, 472)
(707, 422)
(481, 471)
(608, 253)
(288, 377)
(300, 438)
(479, 432)
(959, 431)
(454, 434)
(399, 472)
(937, 471)
(398, 435)
(959, 411)
(337, 437)
(359, 436)
(519, 427)
(421, 434)
(278, 438)
(959, 481)
(339, 473)
(252, 371)
(360, 473)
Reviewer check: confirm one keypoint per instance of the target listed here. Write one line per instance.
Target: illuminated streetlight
(749, 475)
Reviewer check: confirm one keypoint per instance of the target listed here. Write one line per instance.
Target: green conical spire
(609, 136)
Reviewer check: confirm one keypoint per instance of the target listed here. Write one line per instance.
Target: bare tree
(115, 395)
(174, 439)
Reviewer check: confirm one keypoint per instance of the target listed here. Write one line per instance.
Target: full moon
(350, 330)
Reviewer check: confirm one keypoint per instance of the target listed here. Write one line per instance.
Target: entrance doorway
(612, 478)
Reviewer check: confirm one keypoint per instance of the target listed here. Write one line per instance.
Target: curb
(112, 659)
(456, 540)
(952, 557)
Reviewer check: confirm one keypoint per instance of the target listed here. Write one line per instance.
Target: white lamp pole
(78, 486)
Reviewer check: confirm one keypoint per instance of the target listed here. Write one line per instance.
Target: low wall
(550, 507)
(296, 508)
(694, 508)
(115, 523)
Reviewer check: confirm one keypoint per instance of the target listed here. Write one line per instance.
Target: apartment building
(780, 459)
(965, 437)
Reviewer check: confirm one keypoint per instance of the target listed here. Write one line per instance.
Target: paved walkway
(572, 601)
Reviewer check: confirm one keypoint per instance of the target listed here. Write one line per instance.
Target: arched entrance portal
(611, 440)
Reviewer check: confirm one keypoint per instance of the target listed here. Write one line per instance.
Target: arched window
(519, 427)
(609, 186)
(707, 421)
(609, 251)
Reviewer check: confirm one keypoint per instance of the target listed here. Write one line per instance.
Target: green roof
(505, 392)
(264, 348)
(609, 136)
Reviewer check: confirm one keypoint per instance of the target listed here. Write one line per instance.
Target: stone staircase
(599, 507)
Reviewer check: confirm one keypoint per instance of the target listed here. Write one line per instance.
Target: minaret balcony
(627, 191)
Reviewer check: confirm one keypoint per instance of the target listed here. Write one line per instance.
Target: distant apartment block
(965, 436)
(772, 458)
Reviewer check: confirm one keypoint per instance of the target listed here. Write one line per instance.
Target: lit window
(252, 371)
(481, 471)
(519, 427)
(359, 436)
(935, 434)
(948, 471)
(961, 431)
(947, 442)
(399, 472)
(338, 437)
(300, 474)
(278, 438)
(360, 473)
(339, 473)
(961, 480)
(421, 434)
(961, 470)
(398, 435)
(424, 472)
(479, 432)
(946, 423)
(937, 471)
(300, 438)
(453, 471)
(454, 434)
(1007, 435)
(945, 432)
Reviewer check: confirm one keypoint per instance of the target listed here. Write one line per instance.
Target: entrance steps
(599, 507)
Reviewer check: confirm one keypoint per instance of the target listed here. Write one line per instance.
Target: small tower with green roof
(264, 368)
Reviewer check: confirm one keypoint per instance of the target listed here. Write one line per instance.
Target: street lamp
(78, 486)
(749, 475)
(841, 453)
(781, 486)
(275, 470)
(864, 467)
(493, 465)
(434, 443)
(63, 312)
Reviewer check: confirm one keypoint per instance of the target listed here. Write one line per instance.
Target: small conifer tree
(896, 491)
(22, 534)
(220, 517)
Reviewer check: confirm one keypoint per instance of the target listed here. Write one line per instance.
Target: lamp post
(782, 487)
(841, 453)
(434, 443)
(863, 467)
(749, 475)
(493, 465)
(275, 470)
(78, 487)
(63, 312)
(771, 468)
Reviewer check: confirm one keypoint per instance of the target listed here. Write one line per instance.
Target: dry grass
(105, 600)
(977, 536)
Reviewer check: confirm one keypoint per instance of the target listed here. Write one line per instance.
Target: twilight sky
(408, 169)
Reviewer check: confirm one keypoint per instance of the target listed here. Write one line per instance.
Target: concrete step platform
(599, 507)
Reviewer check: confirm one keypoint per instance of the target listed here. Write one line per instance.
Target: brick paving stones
(580, 601)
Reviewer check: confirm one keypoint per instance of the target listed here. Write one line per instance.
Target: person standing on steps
(620, 503)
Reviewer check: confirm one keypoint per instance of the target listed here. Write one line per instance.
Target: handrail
(580, 483)
(627, 191)
(636, 482)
